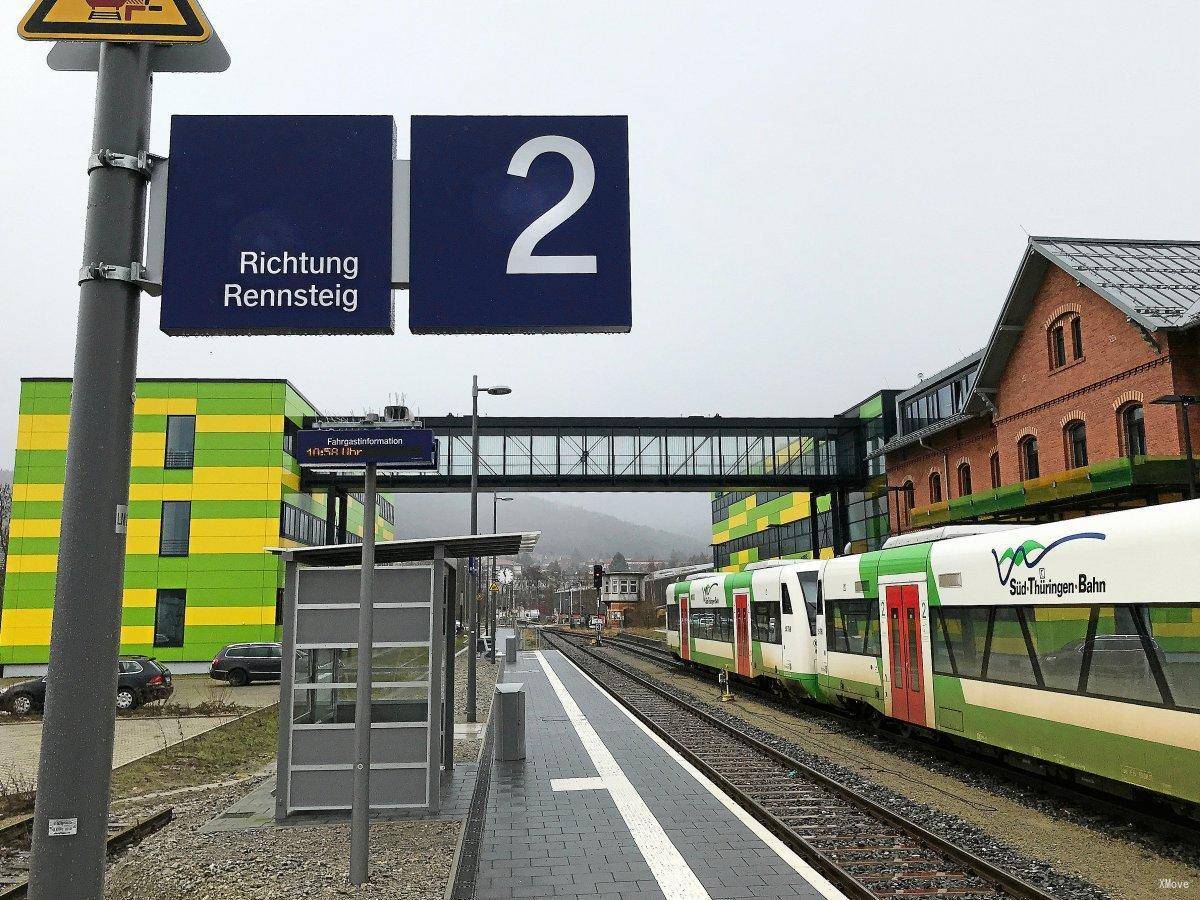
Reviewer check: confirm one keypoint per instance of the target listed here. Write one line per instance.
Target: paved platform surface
(601, 808)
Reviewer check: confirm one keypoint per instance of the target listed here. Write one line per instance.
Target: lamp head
(498, 391)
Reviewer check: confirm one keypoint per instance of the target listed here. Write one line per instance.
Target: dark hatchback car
(141, 679)
(240, 664)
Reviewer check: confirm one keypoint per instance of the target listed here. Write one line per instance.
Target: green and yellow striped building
(752, 526)
(212, 484)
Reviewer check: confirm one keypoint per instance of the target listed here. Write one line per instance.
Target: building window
(935, 488)
(1058, 347)
(169, 607)
(994, 467)
(1029, 457)
(1133, 429)
(175, 528)
(181, 442)
(1076, 438)
(910, 496)
(964, 479)
(1058, 340)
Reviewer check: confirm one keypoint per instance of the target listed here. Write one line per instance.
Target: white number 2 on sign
(521, 260)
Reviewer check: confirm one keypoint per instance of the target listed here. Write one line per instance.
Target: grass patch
(237, 748)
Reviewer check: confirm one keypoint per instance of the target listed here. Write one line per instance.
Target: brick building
(1054, 417)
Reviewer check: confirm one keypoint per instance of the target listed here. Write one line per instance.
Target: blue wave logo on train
(1030, 554)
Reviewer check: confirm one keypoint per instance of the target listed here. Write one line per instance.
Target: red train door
(685, 645)
(904, 646)
(741, 631)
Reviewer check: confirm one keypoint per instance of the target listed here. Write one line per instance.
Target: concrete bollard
(509, 701)
(510, 650)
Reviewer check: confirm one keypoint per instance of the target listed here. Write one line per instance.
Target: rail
(866, 849)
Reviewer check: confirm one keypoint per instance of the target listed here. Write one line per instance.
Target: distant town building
(620, 592)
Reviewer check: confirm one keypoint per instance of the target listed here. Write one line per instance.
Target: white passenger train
(1073, 645)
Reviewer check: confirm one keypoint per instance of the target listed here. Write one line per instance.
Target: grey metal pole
(473, 592)
(360, 812)
(450, 599)
(493, 596)
(436, 711)
(287, 673)
(77, 729)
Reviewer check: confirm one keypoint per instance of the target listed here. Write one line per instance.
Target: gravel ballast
(409, 860)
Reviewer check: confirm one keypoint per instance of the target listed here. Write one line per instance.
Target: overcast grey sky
(828, 198)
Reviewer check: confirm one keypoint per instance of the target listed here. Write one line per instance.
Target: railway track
(14, 847)
(1161, 819)
(869, 851)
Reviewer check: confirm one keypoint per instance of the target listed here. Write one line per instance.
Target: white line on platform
(674, 876)
(818, 881)
(577, 784)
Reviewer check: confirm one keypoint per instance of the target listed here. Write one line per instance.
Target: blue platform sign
(279, 225)
(519, 224)
(348, 448)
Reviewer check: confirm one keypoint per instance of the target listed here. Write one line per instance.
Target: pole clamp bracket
(135, 273)
(143, 163)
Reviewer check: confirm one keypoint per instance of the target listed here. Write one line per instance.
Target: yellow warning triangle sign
(157, 21)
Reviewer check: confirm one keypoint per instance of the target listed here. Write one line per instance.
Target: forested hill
(566, 530)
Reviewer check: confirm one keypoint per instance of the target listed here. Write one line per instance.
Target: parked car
(140, 680)
(239, 664)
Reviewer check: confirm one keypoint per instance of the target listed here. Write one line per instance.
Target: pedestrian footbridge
(694, 453)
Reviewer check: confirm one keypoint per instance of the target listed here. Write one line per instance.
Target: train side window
(1119, 666)
(966, 629)
(1175, 631)
(835, 628)
(812, 592)
(1059, 636)
(672, 617)
(785, 599)
(852, 626)
(943, 656)
(767, 625)
(1010, 658)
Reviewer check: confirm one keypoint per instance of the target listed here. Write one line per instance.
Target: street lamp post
(473, 597)
(1182, 402)
(493, 597)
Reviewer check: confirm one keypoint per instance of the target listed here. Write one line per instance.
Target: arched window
(1029, 457)
(994, 466)
(935, 488)
(1075, 435)
(1063, 329)
(910, 495)
(1133, 429)
(964, 479)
